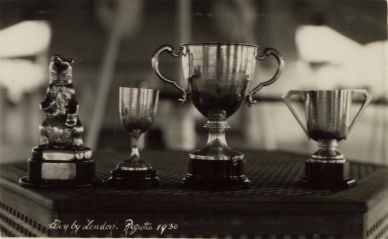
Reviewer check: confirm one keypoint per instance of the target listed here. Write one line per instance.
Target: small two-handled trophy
(327, 122)
(218, 76)
(60, 160)
(137, 107)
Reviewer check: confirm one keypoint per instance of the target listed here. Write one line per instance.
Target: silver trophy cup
(218, 76)
(137, 109)
(328, 121)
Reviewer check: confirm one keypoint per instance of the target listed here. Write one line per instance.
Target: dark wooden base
(59, 170)
(325, 175)
(216, 175)
(141, 180)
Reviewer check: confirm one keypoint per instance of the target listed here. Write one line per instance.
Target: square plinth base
(59, 168)
(327, 175)
(216, 175)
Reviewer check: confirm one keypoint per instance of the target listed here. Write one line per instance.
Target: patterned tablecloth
(276, 206)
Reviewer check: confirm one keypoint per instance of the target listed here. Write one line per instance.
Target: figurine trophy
(137, 109)
(60, 160)
(327, 122)
(218, 76)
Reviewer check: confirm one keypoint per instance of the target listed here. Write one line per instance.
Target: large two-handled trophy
(61, 159)
(218, 76)
(137, 107)
(328, 121)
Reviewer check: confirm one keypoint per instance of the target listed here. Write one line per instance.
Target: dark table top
(274, 177)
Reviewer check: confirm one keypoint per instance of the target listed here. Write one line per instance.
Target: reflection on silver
(61, 128)
(327, 117)
(137, 109)
(218, 77)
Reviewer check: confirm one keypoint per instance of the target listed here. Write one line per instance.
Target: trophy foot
(133, 174)
(218, 152)
(60, 168)
(216, 175)
(133, 179)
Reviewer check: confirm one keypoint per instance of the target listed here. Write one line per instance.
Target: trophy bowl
(218, 76)
(328, 121)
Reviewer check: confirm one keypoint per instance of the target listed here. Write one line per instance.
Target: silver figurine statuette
(327, 122)
(61, 159)
(219, 77)
(137, 109)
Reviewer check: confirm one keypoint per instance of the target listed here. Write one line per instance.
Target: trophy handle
(155, 66)
(368, 98)
(266, 52)
(286, 99)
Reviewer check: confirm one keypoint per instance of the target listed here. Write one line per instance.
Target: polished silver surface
(328, 117)
(216, 70)
(61, 129)
(218, 76)
(327, 112)
(137, 107)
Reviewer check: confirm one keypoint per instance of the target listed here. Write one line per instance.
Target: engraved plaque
(58, 171)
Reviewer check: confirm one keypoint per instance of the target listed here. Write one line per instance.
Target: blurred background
(325, 44)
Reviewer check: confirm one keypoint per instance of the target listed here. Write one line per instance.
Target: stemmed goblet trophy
(218, 76)
(137, 107)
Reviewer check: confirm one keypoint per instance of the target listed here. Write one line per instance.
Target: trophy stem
(216, 131)
(328, 144)
(216, 147)
(134, 144)
(135, 154)
(327, 152)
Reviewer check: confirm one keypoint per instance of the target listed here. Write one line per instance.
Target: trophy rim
(219, 44)
(138, 89)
